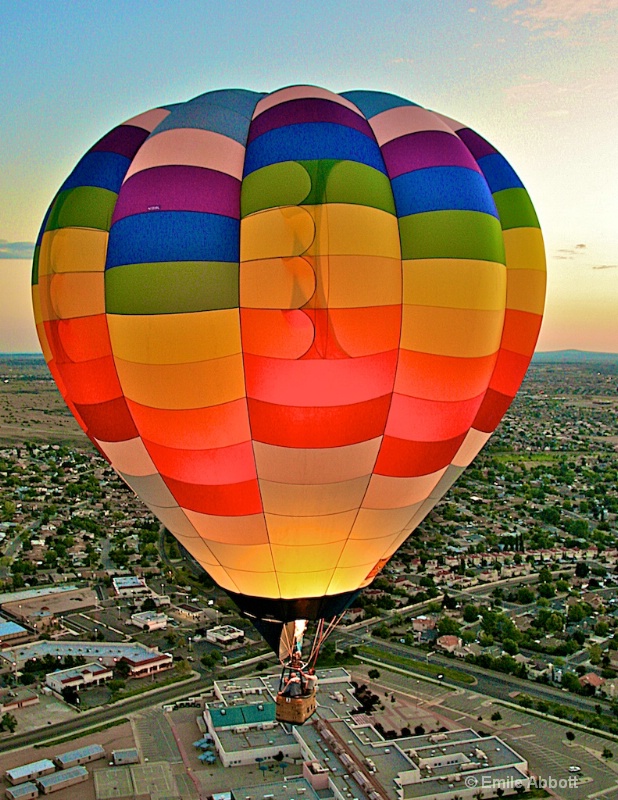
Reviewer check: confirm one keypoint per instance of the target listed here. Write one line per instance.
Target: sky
(537, 78)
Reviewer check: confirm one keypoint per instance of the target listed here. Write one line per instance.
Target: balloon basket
(295, 710)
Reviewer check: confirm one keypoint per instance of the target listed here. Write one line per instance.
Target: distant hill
(574, 357)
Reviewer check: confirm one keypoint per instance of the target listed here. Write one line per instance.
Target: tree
(8, 722)
(570, 736)
(448, 626)
(525, 595)
(607, 753)
(374, 674)
(496, 716)
(470, 613)
(582, 569)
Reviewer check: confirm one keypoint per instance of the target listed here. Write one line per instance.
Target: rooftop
(63, 776)
(82, 752)
(33, 594)
(29, 769)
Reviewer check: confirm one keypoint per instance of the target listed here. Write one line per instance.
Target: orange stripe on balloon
(193, 428)
(401, 458)
(430, 420)
(80, 338)
(435, 377)
(231, 500)
(521, 330)
(318, 427)
(218, 466)
(93, 381)
(109, 421)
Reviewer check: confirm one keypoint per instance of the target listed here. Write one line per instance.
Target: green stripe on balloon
(172, 287)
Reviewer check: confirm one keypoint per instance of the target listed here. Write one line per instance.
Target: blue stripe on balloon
(442, 189)
(101, 169)
(498, 173)
(372, 103)
(312, 141)
(173, 236)
(226, 112)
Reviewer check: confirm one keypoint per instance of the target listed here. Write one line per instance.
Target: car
(574, 768)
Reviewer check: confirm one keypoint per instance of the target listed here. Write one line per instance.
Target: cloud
(569, 253)
(556, 18)
(605, 266)
(16, 249)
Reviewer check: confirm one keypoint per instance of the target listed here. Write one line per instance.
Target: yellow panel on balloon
(526, 291)
(359, 281)
(315, 466)
(305, 584)
(372, 522)
(470, 447)
(346, 229)
(151, 488)
(200, 385)
(305, 558)
(252, 557)
(73, 250)
(76, 294)
(249, 529)
(276, 283)
(176, 521)
(180, 338)
(314, 499)
(461, 332)
(454, 283)
(276, 233)
(301, 530)
(254, 584)
(47, 353)
(350, 579)
(385, 491)
(356, 553)
(524, 248)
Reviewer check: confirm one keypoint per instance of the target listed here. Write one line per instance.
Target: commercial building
(142, 660)
(14, 699)
(83, 755)
(12, 633)
(30, 771)
(130, 586)
(149, 620)
(224, 634)
(62, 780)
(40, 610)
(92, 674)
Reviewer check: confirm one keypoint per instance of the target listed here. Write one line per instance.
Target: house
(449, 643)
(593, 681)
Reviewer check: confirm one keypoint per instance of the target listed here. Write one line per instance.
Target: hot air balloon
(290, 321)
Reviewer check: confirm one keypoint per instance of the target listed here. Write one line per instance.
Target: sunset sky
(538, 78)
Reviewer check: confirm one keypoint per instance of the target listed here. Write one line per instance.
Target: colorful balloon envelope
(290, 321)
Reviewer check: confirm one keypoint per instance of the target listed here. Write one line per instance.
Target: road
(492, 684)
(103, 715)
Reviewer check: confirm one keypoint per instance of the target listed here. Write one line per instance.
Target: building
(130, 586)
(12, 633)
(62, 780)
(23, 791)
(83, 755)
(149, 620)
(14, 699)
(122, 757)
(190, 612)
(224, 634)
(448, 643)
(41, 610)
(92, 674)
(30, 772)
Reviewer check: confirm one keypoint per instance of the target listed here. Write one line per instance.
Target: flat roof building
(149, 620)
(24, 791)
(126, 756)
(224, 634)
(92, 674)
(62, 780)
(129, 585)
(30, 771)
(82, 755)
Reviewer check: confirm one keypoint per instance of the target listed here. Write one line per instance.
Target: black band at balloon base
(279, 611)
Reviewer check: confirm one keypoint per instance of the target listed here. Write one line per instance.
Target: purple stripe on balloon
(125, 140)
(307, 110)
(426, 149)
(478, 146)
(179, 188)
